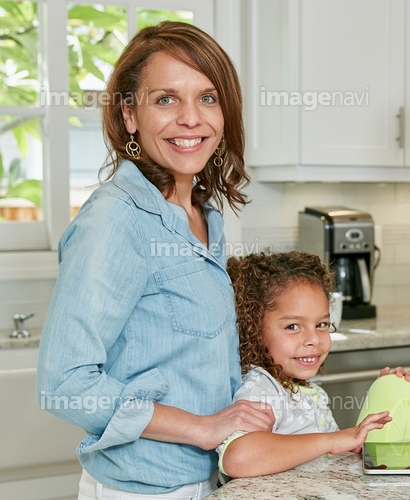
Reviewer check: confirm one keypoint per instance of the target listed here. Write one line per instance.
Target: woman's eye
(166, 99)
(210, 99)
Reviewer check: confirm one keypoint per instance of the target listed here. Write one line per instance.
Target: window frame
(42, 236)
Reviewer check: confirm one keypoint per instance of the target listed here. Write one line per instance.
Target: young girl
(282, 303)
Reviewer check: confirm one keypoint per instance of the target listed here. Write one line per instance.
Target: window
(55, 57)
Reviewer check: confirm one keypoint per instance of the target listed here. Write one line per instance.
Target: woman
(139, 347)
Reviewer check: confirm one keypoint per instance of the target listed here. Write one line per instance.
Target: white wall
(24, 297)
(269, 220)
(26, 284)
(272, 220)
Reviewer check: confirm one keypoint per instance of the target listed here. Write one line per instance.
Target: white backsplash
(24, 297)
(27, 281)
(271, 219)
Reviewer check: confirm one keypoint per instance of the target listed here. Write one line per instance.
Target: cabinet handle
(348, 376)
(400, 117)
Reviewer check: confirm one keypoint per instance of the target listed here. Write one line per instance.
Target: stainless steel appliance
(344, 240)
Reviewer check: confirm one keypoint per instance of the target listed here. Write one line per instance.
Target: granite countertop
(391, 328)
(326, 478)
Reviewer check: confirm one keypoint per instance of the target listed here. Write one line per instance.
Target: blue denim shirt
(142, 312)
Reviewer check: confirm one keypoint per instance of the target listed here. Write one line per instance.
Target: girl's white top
(305, 412)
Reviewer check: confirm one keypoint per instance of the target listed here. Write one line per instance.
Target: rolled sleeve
(133, 414)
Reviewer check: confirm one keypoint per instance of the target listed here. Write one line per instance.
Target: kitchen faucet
(20, 332)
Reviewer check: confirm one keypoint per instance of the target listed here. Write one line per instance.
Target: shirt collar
(148, 197)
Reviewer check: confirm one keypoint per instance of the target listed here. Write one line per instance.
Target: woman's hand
(399, 371)
(174, 425)
(241, 416)
(353, 438)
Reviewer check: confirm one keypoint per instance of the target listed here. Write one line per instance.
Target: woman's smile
(185, 143)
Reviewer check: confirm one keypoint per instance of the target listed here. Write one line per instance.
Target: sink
(363, 331)
(19, 358)
(29, 435)
(337, 336)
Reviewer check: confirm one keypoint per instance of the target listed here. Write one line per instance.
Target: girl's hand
(241, 416)
(399, 371)
(353, 438)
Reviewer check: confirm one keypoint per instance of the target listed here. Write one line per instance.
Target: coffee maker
(344, 240)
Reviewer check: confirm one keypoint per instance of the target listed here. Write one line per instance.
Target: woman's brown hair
(258, 281)
(194, 47)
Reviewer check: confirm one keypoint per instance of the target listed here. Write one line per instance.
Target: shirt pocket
(196, 302)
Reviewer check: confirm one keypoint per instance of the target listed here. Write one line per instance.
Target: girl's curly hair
(258, 281)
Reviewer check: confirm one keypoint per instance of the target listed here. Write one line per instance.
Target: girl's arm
(261, 453)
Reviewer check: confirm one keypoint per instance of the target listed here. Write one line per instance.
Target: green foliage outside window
(96, 36)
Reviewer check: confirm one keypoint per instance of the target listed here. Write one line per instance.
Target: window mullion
(56, 129)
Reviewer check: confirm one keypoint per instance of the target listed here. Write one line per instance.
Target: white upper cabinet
(352, 56)
(269, 64)
(325, 88)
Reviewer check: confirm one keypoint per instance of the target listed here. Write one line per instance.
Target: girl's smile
(296, 332)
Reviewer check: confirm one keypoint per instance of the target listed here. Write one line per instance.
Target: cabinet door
(352, 82)
(269, 65)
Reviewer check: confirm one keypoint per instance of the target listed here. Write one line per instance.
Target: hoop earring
(219, 160)
(133, 148)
